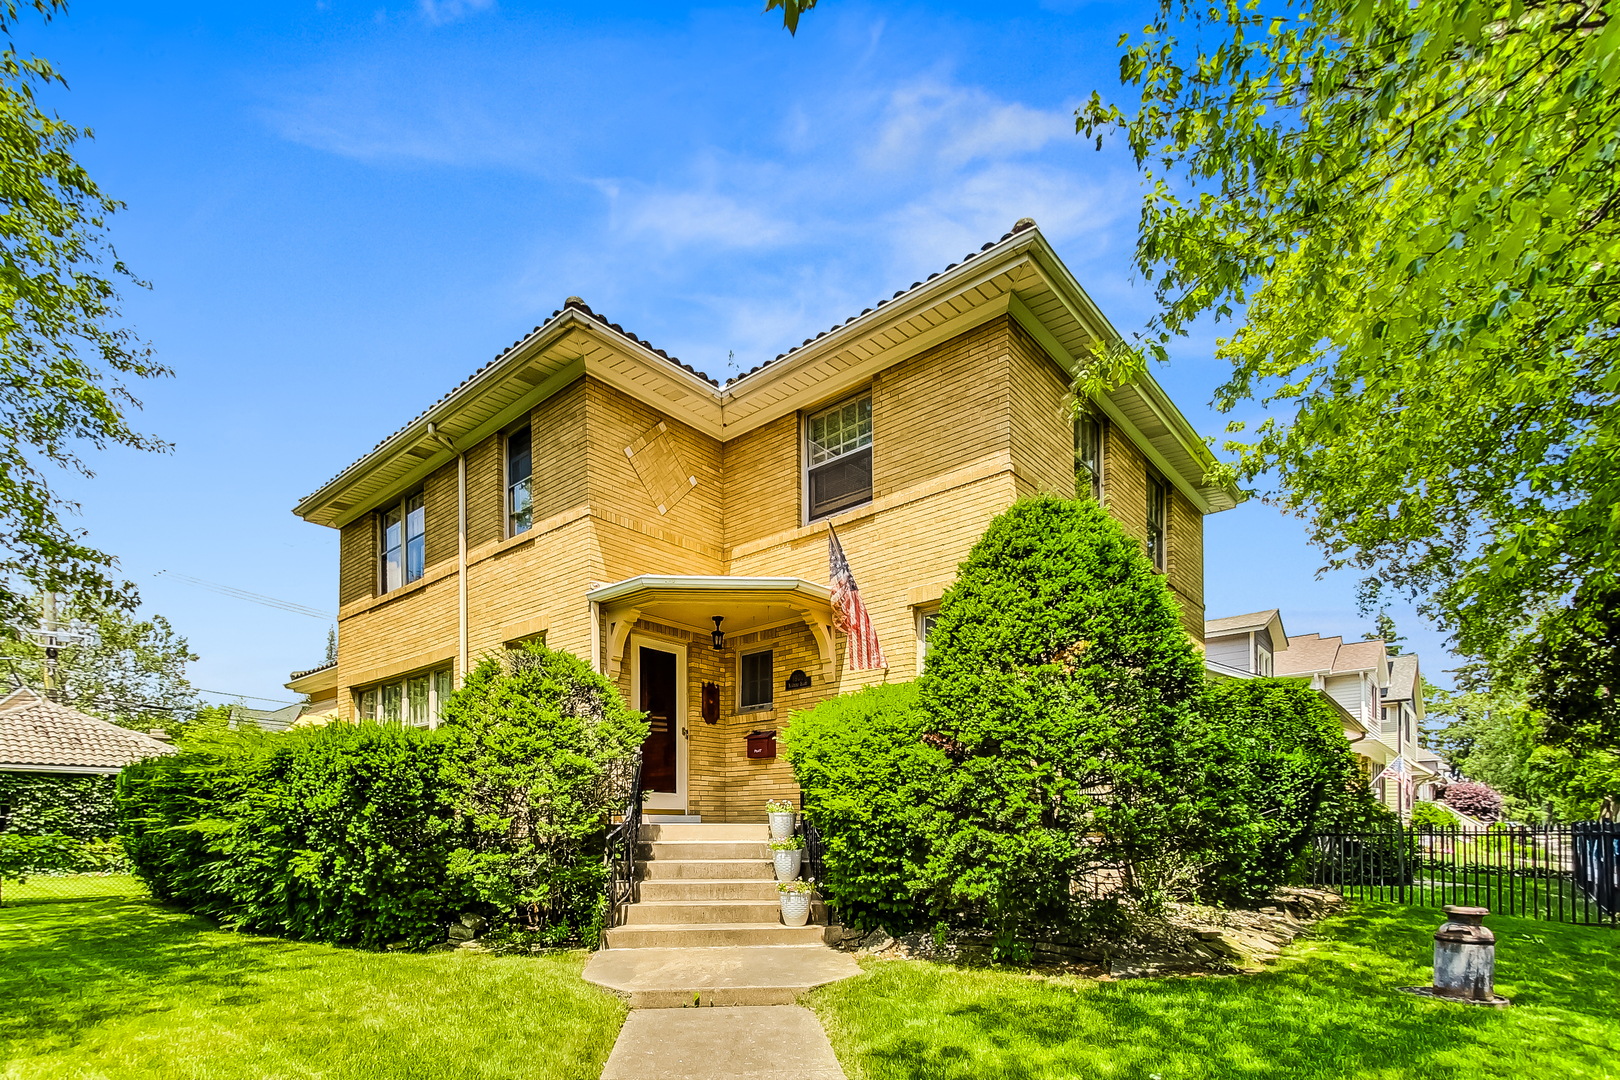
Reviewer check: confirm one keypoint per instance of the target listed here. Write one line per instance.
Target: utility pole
(53, 636)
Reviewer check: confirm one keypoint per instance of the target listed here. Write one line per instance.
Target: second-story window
(838, 457)
(1156, 499)
(519, 472)
(404, 542)
(1088, 439)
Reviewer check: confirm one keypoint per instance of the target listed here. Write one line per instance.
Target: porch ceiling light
(719, 638)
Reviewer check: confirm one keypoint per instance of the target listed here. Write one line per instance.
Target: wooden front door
(658, 753)
(658, 674)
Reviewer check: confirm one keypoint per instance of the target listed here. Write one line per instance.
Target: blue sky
(343, 209)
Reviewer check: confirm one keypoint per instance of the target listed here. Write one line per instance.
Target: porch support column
(619, 625)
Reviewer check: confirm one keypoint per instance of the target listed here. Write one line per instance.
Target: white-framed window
(926, 618)
(519, 480)
(838, 457)
(1157, 497)
(415, 700)
(404, 542)
(1088, 457)
(1262, 659)
(756, 680)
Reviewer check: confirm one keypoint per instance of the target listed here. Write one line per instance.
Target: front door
(658, 691)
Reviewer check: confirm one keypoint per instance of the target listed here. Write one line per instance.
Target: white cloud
(955, 125)
(698, 217)
(439, 12)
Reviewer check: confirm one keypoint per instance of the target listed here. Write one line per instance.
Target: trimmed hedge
(373, 833)
(43, 804)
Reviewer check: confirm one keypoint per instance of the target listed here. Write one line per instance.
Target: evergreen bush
(1283, 771)
(866, 774)
(1061, 688)
(40, 804)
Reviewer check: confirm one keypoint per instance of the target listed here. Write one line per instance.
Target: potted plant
(796, 896)
(780, 811)
(787, 854)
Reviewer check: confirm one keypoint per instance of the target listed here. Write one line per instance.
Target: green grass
(71, 886)
(1329, 1008)
(121, 987)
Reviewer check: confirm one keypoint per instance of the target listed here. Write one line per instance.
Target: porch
(707, 685)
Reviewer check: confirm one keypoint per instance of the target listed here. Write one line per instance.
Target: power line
(250, 597)
(250, 697)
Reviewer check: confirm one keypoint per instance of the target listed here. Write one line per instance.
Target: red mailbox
(762, 744)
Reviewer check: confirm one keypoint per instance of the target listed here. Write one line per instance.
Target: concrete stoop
(707, 928)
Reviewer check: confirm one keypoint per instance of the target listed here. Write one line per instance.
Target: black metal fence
(1561, 873)
(623, 836)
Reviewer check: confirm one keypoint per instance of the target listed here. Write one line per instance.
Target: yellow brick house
(588, 490)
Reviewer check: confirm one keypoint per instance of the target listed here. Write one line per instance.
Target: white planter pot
(795, 908)
(787, 864)
(781, 825)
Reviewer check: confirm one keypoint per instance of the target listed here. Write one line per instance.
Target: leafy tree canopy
(129, 671)
(1414, 208)
(65, 356)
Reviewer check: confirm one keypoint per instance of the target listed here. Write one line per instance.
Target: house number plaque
(798, 681)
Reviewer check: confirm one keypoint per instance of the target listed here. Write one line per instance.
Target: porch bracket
(619, 625)
(826, 643)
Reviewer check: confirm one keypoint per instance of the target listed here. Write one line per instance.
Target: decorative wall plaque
(798, 681)
(660, 470)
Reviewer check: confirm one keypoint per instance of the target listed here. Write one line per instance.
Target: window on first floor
(838, 457)
(755, 682)
(1157, 497)
(1088, 439)
(404, 542)
(925, 633)
(414, 701)
(519, 475)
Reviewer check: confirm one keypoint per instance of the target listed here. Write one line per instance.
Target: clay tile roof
(37, 732)
(295, 676)
(1239, 624)
(1018, 227)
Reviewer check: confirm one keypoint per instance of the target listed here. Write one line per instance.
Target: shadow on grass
(1330, 1008)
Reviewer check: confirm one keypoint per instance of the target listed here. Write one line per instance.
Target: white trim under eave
(78, 770)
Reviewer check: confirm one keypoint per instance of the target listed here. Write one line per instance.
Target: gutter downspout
(461, 566)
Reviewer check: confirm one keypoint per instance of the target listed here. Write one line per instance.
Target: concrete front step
(748, 975)
(693, 831)
(693, 850)
(699, 869)
(712, 935)
(755, 888)
(702, 911)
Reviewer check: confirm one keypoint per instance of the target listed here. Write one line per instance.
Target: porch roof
(691, 601)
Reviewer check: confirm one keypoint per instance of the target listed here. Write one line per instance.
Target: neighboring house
(1384, 694)
(38, 735)
(1441, 774)
(319, 687)
(590, 491)
(1246, 647)
(265, 719)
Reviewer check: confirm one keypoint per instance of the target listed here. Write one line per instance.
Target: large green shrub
(1285, 772)
(538, 748)
(1060, 687)
(372, 833)
(866, 774)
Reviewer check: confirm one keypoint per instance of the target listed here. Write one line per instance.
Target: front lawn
(121, 987)
(1329, 1008)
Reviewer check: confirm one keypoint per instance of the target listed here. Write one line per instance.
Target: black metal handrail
(622, 838)
(815, 857)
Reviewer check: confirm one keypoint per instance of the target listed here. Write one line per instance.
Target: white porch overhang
(692, 601)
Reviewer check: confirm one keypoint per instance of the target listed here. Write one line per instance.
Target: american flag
(1401, 773)
(862, 651)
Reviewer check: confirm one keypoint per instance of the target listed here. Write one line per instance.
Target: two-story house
(586, 489)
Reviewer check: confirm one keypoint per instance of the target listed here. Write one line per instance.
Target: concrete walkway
(773, 1042)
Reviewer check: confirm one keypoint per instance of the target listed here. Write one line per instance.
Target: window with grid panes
(756, 683)
(415, 701)
(519, 474)
(404, 542)
(1156, 499)
(838, 457)
(1088, 436)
